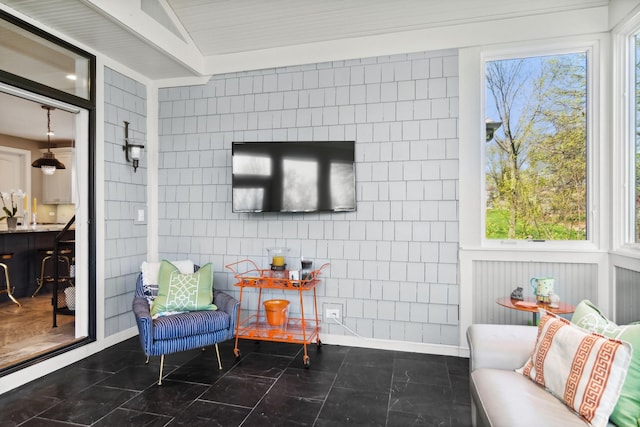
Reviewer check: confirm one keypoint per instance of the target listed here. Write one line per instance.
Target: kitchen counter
(30, 229)
(25, 243)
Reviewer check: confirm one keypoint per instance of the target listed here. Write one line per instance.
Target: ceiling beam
(130, 16)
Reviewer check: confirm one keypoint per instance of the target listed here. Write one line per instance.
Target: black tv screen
(301, 176)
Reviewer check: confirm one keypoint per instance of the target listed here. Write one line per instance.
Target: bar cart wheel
(306, 361)
(236, 351)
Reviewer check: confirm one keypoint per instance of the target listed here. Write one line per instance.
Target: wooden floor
(27, 331)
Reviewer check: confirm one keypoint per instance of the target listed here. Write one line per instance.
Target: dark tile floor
(267, 387)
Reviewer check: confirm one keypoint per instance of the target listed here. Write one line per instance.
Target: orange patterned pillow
(584, 370)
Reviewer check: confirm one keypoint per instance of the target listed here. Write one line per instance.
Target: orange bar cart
(302, 330)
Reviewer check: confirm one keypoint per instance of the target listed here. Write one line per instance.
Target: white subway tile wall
(394, 263)
(125, 243)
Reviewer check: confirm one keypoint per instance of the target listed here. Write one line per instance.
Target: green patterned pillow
(627, 410)
(178, 292)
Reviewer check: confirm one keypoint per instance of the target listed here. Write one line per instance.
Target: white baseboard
(414, 347)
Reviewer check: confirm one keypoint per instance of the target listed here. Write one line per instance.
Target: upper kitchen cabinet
(59, 188)
(15, 169)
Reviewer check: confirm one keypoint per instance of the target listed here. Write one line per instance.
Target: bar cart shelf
(302, 330)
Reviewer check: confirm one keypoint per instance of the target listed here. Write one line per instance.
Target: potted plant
(10, 212)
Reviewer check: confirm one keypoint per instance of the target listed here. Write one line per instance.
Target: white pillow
(584, 370)
(150, 270)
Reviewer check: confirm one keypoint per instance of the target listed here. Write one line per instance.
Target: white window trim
(472, 182)
(471, 185)
(623, 138)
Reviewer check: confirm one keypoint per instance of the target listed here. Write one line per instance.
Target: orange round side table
(531, 305)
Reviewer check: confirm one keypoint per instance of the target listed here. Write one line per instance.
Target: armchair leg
(218, 354)
(161, 366)
(147, 361)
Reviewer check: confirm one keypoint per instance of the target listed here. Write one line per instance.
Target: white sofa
(501, 397)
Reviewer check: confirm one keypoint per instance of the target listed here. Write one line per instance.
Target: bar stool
(9, 291)
(47, 256)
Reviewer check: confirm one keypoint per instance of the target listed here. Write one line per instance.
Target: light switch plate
(139, 214)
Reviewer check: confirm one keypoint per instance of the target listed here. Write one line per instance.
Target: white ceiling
(165, 39)
(27, 119)
(172, 39)
(222, 27)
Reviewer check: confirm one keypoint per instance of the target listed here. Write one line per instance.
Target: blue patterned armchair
(184, 331)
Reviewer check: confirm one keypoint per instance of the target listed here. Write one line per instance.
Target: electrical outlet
(332, 313)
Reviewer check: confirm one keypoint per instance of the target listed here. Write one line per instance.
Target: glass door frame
(87, 166)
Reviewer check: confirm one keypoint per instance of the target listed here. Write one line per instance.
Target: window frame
(629, 238)
(594, 163)
(623, 137)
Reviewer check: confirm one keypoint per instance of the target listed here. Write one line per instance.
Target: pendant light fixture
(48, 162)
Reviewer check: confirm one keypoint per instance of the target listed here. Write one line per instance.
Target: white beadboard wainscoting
(495, 279)
(627, 283)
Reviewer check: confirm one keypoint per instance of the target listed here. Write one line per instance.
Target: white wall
(393, 262)
(125, 191)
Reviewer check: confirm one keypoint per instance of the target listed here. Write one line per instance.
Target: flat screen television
(301, 176)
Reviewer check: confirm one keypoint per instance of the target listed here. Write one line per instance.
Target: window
(536, 164)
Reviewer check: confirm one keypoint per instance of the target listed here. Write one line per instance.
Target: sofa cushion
(588, 316)
(500, 346)
(584, 370)
(506, 398)
(178, 292)
(190, 324)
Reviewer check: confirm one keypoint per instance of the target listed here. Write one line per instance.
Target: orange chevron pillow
(584, 370)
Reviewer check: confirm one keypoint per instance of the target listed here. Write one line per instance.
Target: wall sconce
(131, 151)
(491, 128)
(48, 162)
